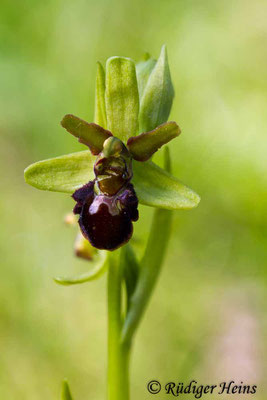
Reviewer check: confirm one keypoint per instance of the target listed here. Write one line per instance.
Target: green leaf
(65, 392)
(99, 268)
(100, 107)
(143, 146)
(158, 95)
(61, 174)
(150, 268)
(122, 99)
(143, 71)
(154, 186)
(92, 135)
(130, 270)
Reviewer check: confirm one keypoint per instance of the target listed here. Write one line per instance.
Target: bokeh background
(207, 318)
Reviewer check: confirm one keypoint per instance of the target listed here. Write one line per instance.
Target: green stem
(121, 330)
(151, 264)
(150, 269)
(118, 354)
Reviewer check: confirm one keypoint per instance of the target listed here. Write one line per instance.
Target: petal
(154, 187)
(100, 107)
(122, 98)
(158, 95)
(61, 174)
(143, 146)
(92, 135)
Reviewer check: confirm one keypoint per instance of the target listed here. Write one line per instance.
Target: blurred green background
(207, 318)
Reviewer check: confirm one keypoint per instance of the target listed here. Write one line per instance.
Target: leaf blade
(122, 98)
(130, 270)
(65, 391)
(96, 272)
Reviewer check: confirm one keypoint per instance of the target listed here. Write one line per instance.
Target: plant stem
(151, 264)
(121, 330)
(150, 269)
(118, 354)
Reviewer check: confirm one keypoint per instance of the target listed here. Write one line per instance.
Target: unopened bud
(70, 219)
(83, 248)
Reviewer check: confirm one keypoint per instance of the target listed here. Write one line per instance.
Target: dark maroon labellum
(108, 204)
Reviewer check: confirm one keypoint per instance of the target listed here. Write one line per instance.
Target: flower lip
(106, 221)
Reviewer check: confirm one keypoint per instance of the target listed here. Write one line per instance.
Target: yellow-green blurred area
(207, 318)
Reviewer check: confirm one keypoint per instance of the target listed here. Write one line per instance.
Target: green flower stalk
(107, 181)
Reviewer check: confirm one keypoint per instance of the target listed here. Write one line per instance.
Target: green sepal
(158, 95)
(154, 186)
(99, 268)
(122, 98)
(143, 146)
(61, 174)
(92, 135)
(65, 391)
(143, 71)
(100, 106)
(157, 188)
